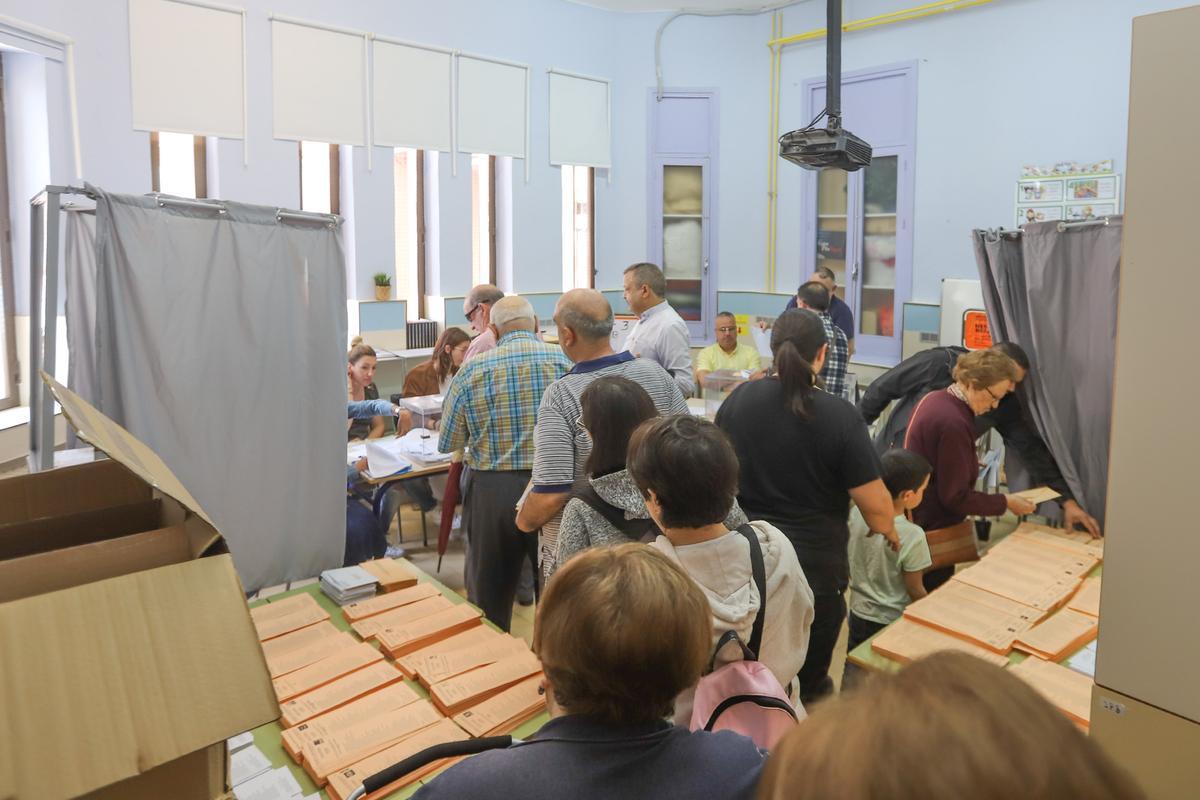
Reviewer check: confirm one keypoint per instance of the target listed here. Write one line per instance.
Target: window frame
(491, 231)
(12, 367)
(200, 164)
(335, 174)
(591, 246)
(415, 307)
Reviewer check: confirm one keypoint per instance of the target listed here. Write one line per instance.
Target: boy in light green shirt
(727, 353)
(882, 581)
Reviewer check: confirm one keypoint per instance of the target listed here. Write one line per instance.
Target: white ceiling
(672, 5)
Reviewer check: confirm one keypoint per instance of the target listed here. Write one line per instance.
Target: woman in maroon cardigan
(943, 430)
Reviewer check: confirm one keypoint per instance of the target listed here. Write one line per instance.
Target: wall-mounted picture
(1092, 188)
(1078, 212)
(1027, 214)
(1039, 191)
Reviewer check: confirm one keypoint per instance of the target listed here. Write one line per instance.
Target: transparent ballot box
(426, 410)
(718, 384)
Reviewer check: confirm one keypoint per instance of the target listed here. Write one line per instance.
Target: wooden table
(420, 469)
(268, 737)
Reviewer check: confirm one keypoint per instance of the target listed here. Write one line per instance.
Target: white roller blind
(185, 63)
(411, 88)
(492, 116)
(319, 81)
(580, 131)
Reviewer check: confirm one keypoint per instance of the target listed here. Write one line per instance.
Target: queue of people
(667, 543)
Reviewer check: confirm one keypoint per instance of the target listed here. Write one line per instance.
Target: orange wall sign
(976, 335)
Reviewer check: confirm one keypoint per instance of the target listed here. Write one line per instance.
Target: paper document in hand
(762, 341)
(1037, 496)
(385, 457)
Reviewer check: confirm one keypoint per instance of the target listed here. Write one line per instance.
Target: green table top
(268, 737)
(866, 657)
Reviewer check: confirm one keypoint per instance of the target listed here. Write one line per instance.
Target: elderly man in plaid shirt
(815, 297)
(490, 409)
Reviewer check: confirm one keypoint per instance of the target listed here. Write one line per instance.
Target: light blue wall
(983, 110)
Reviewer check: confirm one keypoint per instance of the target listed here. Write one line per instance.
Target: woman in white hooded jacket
(688, 473)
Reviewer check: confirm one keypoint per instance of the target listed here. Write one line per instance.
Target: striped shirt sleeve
(553, 445)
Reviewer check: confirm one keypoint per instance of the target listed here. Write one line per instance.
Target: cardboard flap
(111, 679)
(121, 446)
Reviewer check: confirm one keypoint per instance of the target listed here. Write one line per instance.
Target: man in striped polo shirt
(491, 406)
(585, 321)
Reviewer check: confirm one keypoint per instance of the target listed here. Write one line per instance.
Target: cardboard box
(129, 654)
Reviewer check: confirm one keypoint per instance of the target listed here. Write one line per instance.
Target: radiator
(422, 333)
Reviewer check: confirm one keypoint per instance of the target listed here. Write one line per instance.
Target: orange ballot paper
(297, 616)
(321, 647)
(479, 634)
(327, 669)
(1087, 599)
(379, 702)
(365, 737)
(905, 641)
(440, 666)
(462, 691)
(981, 617)
(505, 711)
(1063, 633)
(402, 639)
(1039, 495)
(1041, 589)
(392, 573)
(1067, 690)
(338, 693)
(386, 602)
(281, 645)
(369, 627)
(344, 782)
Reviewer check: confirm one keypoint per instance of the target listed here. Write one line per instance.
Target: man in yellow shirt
(727, 353)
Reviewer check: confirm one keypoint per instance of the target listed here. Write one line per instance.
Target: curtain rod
(1063, 226)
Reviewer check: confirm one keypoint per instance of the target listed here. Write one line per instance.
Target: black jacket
(931, 370)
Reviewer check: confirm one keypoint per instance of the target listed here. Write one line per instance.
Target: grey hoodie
(583, 527)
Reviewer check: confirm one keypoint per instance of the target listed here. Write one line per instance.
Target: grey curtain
(1055, 293)
(218, 342)
(80, 275)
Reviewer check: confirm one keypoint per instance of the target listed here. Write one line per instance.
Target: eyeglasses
(727, 329)
(472, 311)
(995, 400)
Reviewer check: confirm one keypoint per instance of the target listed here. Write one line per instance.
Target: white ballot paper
(278, 784)
(385, 457)
(247, 763)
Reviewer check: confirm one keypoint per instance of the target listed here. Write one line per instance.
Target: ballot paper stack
(346, 710)
(348, 584)
(1030, 593)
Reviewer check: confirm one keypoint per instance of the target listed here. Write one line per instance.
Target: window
(178, 164)
(483, 219)
(578, 229)
(862, 225)
(409, 169)
(320, 177)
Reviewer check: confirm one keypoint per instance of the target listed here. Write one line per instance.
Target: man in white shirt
(660, 334)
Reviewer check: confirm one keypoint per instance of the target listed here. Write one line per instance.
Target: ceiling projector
(825, 148)
(830, 147)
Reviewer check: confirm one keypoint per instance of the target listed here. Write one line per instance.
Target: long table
(866, 657)
(268, 737)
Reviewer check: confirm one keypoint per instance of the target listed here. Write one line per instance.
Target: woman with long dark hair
(607, 507)
(433, 376)
(804, 455)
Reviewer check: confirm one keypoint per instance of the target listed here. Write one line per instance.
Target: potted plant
(383, 286)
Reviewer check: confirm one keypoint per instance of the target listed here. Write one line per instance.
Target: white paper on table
(247, 763)
(240, 741)
(355, 451)
(421, 444)
(1085, 660)
(278, 784)
(385, 457)
(345, 579)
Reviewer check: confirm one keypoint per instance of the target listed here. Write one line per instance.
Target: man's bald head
(512, 313)
(587, 313)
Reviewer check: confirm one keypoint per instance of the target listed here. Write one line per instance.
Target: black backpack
(635, 529)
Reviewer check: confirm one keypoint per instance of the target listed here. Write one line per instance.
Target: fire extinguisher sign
(975, 333)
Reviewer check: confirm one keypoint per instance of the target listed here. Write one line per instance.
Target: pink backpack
(744, 696)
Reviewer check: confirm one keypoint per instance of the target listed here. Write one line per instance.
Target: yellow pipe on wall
(903, 15)
(776, 44)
